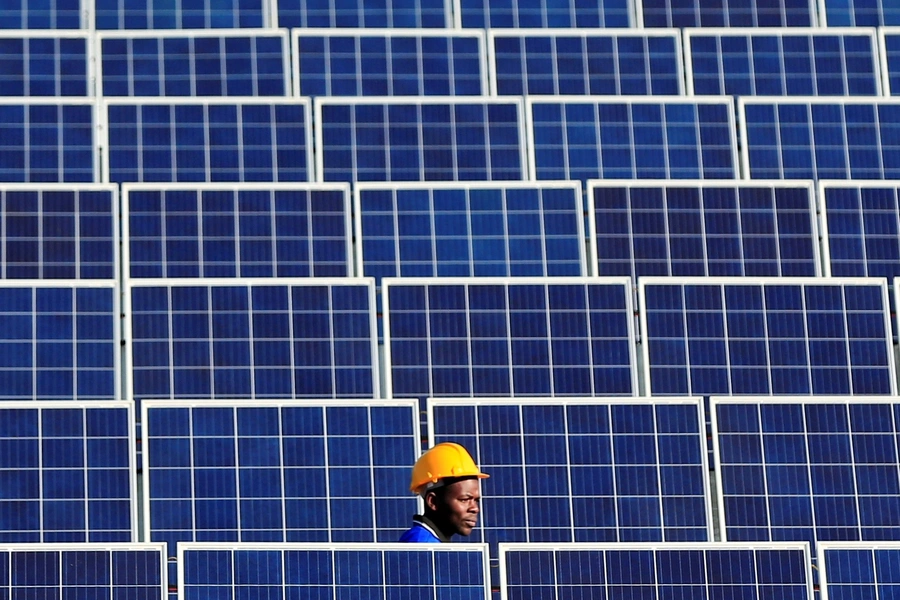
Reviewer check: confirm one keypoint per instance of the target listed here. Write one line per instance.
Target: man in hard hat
(447, 479)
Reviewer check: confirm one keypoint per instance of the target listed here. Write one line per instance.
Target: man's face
(458, 505)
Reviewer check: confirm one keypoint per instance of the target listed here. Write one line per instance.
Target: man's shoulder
(419, 533)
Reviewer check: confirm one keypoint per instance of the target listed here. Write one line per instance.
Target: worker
(447, 479)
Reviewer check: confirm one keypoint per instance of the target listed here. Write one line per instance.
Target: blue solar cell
(582, 61)
(194, 63)
(402, 62)
(723, 571)
(859, 570)
(807, 469)
(59, 340)
(726, 13)
(59, 231)
(735, 336)
(704, 228)
(358, 13)
(889, 39)
(238, 230)
(787, 62)
(334, 571)
(466, 230)
(859, 13)
(68, 472)
(420, 139)
(47, 140)
(483, 14)
(61, 14)
(252, 338)
(632, 138)
(163, 14)
(508, 337)
(205, 140)
(810, 138)
(299, 471)
(45, 64)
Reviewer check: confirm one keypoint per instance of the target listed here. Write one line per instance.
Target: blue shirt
(423, 531)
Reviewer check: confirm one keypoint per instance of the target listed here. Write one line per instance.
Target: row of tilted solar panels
(857, 61)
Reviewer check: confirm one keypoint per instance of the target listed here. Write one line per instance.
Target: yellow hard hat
(443, 460)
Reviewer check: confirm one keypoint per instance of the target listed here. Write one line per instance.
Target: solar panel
(583, 470)
(393, 62)
(207, 140)
(45, 63)
(631, 137)
(68, 472)
(711, 570)
(488, 14)
(859, 13)
(62, 14)
(585, 61)
(59, 231)
(211, 62)
(419, 139)
(465, 230)
(300, 471)
(59, 340)
(358, 13)
(332, 571)
(251, 338)
(520, 337)
(783, 62)
(766, 336)
(726, 13)
(700, 228)
(809, 469)
(47, 140)
(858, 569)
(820, 138)
(889, 45)
(237, 230)
(163, 14)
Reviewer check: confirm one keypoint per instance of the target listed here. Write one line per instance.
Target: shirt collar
(430, 526)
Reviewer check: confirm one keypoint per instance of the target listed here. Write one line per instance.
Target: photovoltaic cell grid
(423, 62)
(201, 140)
(47, 140)
(67, 472)
(59, 340)
(333, 571)
(246, 230)
(725, 571)
(195, 63)
(289, 472)
(584, 470)
(822, 469)
(257, 338)
(358, 13)
(889, 39)
(431, 139)
(65, 14)
(632, 138)
(727, 13)
(464, 230)
(157, 14)
(45, 64)
(859, 13)
(859, 570)
(508, 337)
(736, 336)
(554, 62)
(846, 138)
(818, 62)
(83, 570)
(54, 231)
(487, 14)
(704, 228)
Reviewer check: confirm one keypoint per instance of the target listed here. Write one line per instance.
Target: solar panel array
(153, 14)
(857, 569)
(358, 13)
(889, 40)
(44, 63)
(495, 14)
(859, 13)
(728, 13)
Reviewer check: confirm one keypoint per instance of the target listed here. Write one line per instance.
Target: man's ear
(431, 500)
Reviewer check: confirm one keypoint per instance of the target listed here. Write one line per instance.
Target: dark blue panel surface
(586, 62)
(67, 472)
(483, 14)
(358, 13)
(202, 141)
(44, 65)
(418, 63)
(632, 138)
(860, 13)
(398, 139)
(766, 337)
(726, 13)
(704, 228)
(270, 230)
(527, 337)
(818, 63)
(471, 230)
(195, 64)
(61, 14)
(859, 570)
(808, 469)
(163, 14)
(294, 338)
(59, 232)
(891, 59)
